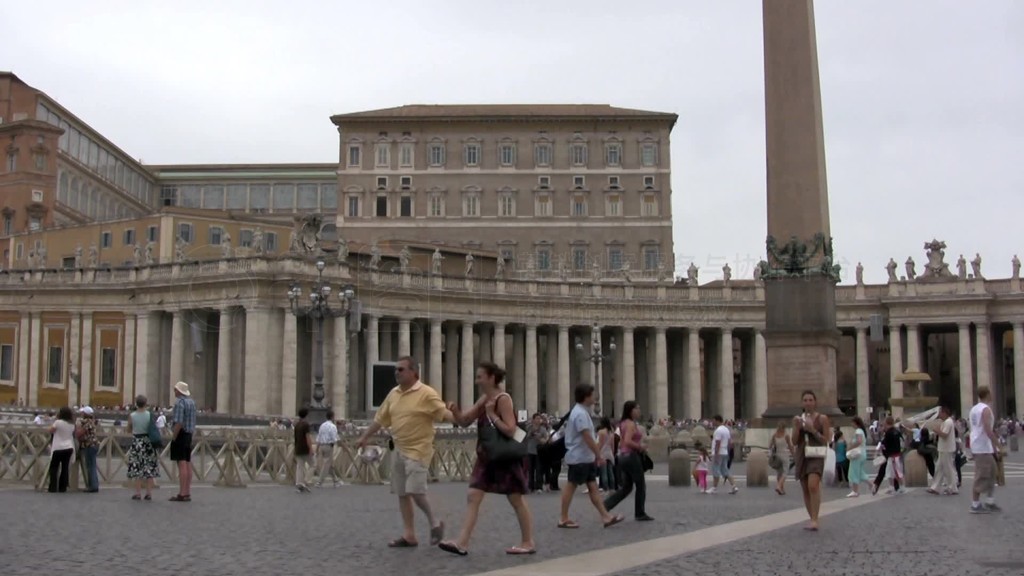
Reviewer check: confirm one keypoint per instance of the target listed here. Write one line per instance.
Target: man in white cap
(183, 424)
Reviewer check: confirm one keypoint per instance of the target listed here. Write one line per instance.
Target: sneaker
(979, 509)
(318, 485)
(735, 490)
(712, 491)
(902, 491)
(703, 490)
(852, 495)
(889, 491)
(993, 507)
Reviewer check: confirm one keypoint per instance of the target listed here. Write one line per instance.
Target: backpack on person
(154, 433)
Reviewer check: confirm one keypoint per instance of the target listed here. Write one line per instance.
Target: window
(406, 154)
(579, 258)
(506, 205)
(151, 234)
(308, 197)
(578, 154)
(544, 182)
(238, 196)
(649, 154)
(649, 182)
(12, 161)
(168, 196)
(579, 182)
(6, 362)
(542, 206)
(19, 251)
(436, 154)
(472, 155)
(40, 161)
(55, 365)
(284, 197)
(579, 205)
(436, 206)
(509, 256)
(507, 154)
(329, 197)
(613, 182)
(381, 207)
(8, 224)
(108, 368)
(405, 207)
(405, 182)
(354, 156)
(259, 197)
(213, 197)
(542, 154)
(353, 207)
(191, 196)
(215, 234)
(34, 223)
(106, 239)
(245, 238)
(615, 258)
(649, 205)
(613, 205)
(129, 237)
(543, 259)
(651, 258)
(185, 232)
(613, 154)
(383, 154)
(270, 242)
(382, 182)
(67, 263)
(471, 205)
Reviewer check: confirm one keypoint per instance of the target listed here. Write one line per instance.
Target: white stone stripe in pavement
(631, 556)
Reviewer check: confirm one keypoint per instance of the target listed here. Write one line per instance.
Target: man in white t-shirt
(945, 469)
(720, 455)
(983, 447)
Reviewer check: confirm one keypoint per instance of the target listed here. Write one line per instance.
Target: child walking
(701, 470)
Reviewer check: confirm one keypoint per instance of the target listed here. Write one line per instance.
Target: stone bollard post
(679, 468)
(1014, 443)
(914, 471)
(657, 448)
(757, 469)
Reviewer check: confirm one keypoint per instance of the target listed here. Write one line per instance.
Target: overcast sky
(924, 123)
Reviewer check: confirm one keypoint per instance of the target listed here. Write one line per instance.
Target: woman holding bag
(494, 472)
(811, 440)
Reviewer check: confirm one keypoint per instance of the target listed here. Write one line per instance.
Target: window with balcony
(613, 205)
(405, 207)
(542, 205)
(615, 258)
(579, 258)
(353, 207)
(186, 232)
(544, 259)
(579, 205)
(381, 207)
(649, 205)
(652, 258)
(215, 235)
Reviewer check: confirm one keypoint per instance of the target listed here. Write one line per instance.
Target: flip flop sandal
(452, 549)
(517, 551)
(568, 525)
(136, 497)
(615, 520)
(402, 543)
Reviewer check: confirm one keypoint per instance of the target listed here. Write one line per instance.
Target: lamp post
(597, 355)
(318, 309)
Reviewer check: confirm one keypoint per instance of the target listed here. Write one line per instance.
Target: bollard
(757, 469)
(679, 468)
(914, 470)
(657, 448)
(1014, 443)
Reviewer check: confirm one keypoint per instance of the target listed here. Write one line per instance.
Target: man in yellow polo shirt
(410, 410)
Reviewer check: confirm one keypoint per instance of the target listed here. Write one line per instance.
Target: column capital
(861, 329)
(659, 329)
(963, 325)
(563, 328)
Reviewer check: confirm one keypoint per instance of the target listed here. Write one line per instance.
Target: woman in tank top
(779, 455)
(631, 449)
(809, 436)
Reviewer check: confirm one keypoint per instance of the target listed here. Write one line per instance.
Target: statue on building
(435, 262)
(342, 250)
(726, 274)
(499, 267)
(1016, 267)
(691, 274)
(374, 256)
(890, 268)
(257, 241)
(759, 271)
(976, 266)
(936, 266)
(78, 257)
(911, 271)
(225, 245)
(293, 242)
(137, 254)
(41, 256)
(150, 246)
(961, 267)
(563, 268)
(469, 265)
(860, 274)
(661, 271)
(30, 260)
(403, 259)
(94, 255)
(595, 271)
(308, 233)
(179, 249)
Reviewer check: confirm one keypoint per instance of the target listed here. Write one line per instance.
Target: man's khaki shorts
(408, 476)
(984, 473)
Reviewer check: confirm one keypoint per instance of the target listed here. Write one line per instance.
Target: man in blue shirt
(183, 424)
(583, 456)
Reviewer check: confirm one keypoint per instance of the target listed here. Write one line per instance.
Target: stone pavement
(274, 530)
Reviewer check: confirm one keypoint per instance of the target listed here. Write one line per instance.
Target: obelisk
(799, 275)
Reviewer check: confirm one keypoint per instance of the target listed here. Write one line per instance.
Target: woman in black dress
(494, 408)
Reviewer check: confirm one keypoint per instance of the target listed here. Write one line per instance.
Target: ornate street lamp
(598, 354)
(318, 309)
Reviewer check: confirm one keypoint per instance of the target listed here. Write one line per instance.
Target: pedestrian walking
(303, 451)
(720, 442)
(810, 437)
(326, 439)
(984, 444)
(631, 451)
(857, 454)
(944, 481)
(779, 455)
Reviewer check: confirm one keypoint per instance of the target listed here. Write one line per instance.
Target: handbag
(154, 433)
(500, 448)
(646, 461)
(854, 453)
(815, 451)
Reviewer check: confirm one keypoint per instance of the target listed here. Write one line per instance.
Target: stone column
(28, 392)
(628, 364)
(863, 397)
(531, 369)
(983, 339)
(726, 382)
(660, 396)
(1018, 367)
(435, 356)
(129, 379)
(417, 343)
(35, 354)
(485, 350)
(451, 364)
(337, 390)
(178, 329)
(225, 337)
(498, 345)
(147, 350)
(404, 345)
(966, 368)
(290, 365)
(74, 355)
(895, 365)
(692, 380)
(87, 355)
(257, 385)
(372, 354)
(760, 374)
(551, 370)
(913, 348)
(468, 371)
(565, 400)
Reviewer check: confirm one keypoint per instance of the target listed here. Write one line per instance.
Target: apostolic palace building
(537, 236)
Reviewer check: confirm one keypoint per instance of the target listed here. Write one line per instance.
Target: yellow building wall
(9, 337)
(108, 332)
(55, 332)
